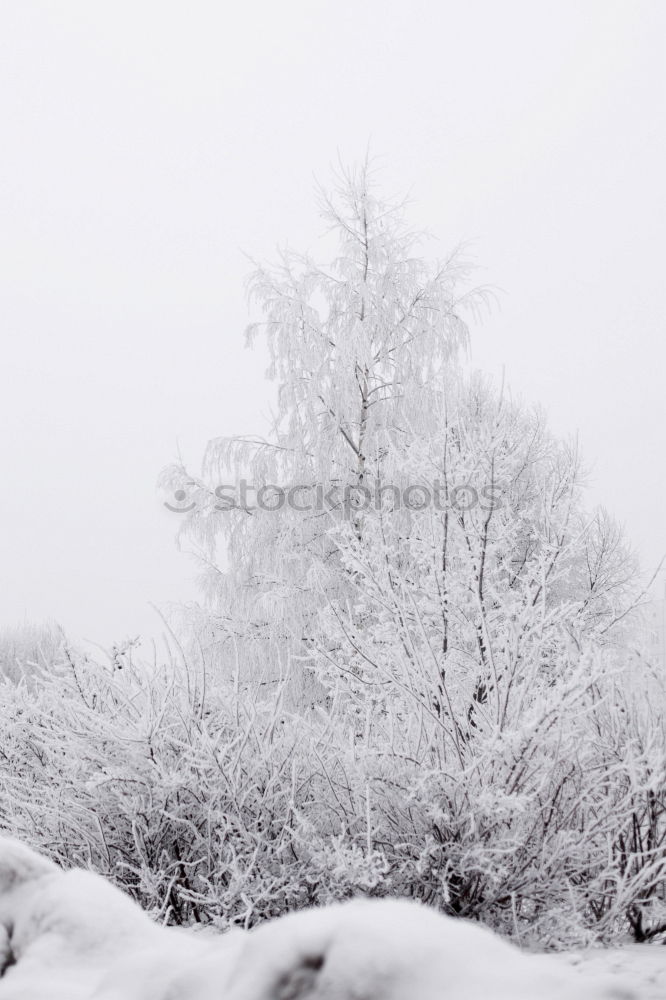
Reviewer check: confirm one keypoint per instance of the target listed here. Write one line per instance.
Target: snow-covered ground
(639, 968)
(73, 936)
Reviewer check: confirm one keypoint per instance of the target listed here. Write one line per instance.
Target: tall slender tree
(374, 403)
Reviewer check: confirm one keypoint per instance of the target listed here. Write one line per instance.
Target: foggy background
(147, 146)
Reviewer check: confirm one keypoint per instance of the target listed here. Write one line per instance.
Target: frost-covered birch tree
(373, 403)
(422, 581)
(358, 350)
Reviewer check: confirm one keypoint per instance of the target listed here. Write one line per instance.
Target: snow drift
(70, 935)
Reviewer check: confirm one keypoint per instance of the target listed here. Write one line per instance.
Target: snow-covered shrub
(629, 751)
(210, 802)
(157, 777)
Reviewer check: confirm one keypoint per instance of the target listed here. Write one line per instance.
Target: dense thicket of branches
(213, 803)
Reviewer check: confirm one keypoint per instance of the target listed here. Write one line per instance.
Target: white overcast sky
(147, 146)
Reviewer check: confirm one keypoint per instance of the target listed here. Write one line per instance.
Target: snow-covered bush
(159, 779)
(213, 803)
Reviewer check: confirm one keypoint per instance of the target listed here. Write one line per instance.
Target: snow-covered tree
(419, 578)
(373, 404)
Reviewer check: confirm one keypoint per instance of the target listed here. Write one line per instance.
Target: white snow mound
(73, 936)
